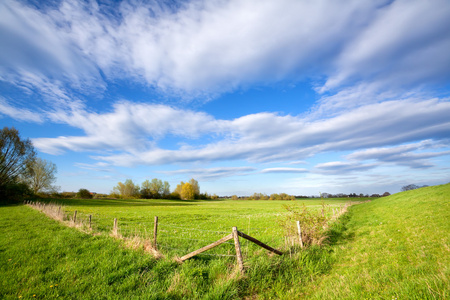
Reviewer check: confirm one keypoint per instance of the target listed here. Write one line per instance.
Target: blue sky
(249, 96)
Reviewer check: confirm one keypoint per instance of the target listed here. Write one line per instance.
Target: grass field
(393, 247)
(184, 226)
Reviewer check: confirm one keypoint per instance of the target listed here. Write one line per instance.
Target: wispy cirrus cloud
(213, 173)
(405, 155)
(84, 45)
(284, 170)
(374, 66)
(21, 114)
(404, 45)
(133, 132)
(340, 168)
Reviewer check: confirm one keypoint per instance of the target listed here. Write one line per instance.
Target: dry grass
(57, 212)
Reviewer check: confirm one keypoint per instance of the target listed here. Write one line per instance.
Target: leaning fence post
(237, 246)
(155, 232)
(74, 217)
(115, 226)
(300, 234)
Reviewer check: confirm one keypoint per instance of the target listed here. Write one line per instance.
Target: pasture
(184, 226)
(392, 247)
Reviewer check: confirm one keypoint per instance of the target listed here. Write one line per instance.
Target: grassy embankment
(391, 247)
(394, 248)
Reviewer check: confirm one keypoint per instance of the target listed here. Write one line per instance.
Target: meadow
(391, 247)
(184, 226)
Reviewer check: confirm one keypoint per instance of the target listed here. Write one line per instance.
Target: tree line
(22, 173)
(157, 189)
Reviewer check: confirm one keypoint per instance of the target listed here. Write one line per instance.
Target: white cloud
(201, 48)
(406, 44)
(19, 113)
(133, 133)
(368, 53)
(339, 167)
(405, 155)
(36, 45)
(213, 173)
(284, 170)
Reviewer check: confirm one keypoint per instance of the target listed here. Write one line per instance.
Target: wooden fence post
(237, 246)
(300, 234)
(115, 226)
(74, 216)
(155, 233)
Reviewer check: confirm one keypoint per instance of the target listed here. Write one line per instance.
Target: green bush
(84, 194)
(14, 192)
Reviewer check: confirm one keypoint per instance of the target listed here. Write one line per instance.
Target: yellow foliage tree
(187, 191)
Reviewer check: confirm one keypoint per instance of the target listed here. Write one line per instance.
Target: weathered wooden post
(74, 216)
(155, 233)
(300, 234)
(237, 246)
(115, 226)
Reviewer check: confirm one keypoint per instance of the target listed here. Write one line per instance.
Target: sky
(289, 96)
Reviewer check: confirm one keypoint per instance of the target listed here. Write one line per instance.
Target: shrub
(68, 195)
(14, 192)
(313, 224)
(84, 194)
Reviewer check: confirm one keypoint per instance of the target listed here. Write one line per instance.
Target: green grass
(185, 226)
(393, 247)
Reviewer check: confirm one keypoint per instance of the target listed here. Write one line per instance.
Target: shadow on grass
(5, 202)
(122, 202)
(338, 233)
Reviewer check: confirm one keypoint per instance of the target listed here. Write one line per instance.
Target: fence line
(161, 235)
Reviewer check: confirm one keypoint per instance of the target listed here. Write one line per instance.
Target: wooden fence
(56, 211)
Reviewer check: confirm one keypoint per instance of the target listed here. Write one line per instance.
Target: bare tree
(41, 175)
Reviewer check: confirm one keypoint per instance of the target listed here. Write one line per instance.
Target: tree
(84, 194)
(386, 194)
(412, 187)
(146, 189)
(195, 186)
(409, 187)
(166, 189)
(187, 192)
(15, 156)
(156, 188)
(177, 191)
(41, 175)
(127, 189)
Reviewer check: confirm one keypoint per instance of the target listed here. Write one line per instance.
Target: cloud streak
(213, 173)
(210, 47)
(134, 132)
(375, 66)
